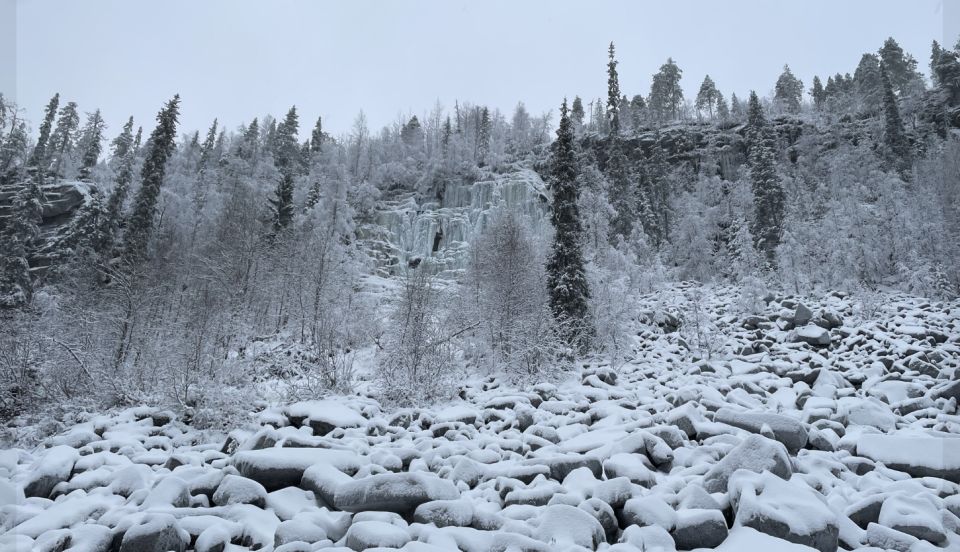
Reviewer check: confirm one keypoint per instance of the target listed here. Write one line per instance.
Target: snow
(823, 446)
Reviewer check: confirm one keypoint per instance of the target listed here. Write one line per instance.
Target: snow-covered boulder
(155, 533)
(788, 510)
(564, 525)
(788, 431)
(918, 455)
(393, 492)
(757, 454)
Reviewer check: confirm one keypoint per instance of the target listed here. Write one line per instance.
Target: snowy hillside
(816, 423)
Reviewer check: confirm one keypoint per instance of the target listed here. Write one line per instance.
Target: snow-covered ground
(815, 423)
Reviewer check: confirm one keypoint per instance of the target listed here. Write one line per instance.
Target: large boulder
(155, 533)
(788, 431)
(54, 466)
(393, 492)
(757, 454)
(565, 525)
(276, 468)
(699, 528)
(789, 510)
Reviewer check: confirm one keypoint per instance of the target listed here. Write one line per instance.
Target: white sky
(236, 59)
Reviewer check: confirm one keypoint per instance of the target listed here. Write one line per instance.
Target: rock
(54, 466)
(276, 468)
(788, 510)
(371, 534)
(445, 513)
(300, 529)
(787, 430)
(888, 539)
(155, 533)
(648, 510)
(919, 456)
(169, 491)
(561, 524)
(866, 511)
(234, 489)
(603, 513)
(913, 515)
(757, 454)
(802, 315)
(699, 528)
(562, 465)
(812, 335)
(393, 492)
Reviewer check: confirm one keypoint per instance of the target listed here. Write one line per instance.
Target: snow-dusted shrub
(506, 294)
(418, 360)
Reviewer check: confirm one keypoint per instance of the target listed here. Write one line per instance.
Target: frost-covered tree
(894, 138)
(507, 292)
(901, 68)
(768, 195)
(613, 93)
(577, 114)
(566, 278)
(160, 146)
(707, 96)
(818, 94)
(91, 144)
(63, 139)
(788, 92)
(39, 156)
(286, 159)
(666, 95)
(867, 83)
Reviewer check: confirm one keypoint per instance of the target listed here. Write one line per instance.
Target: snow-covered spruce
(777, 442)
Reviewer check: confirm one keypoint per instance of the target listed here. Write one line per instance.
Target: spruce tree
(613, 94)
(317, 137)
(39, 155)
(638, 111)
(736, 108)
(566, 277)
(622, 194)
(723, 112)
(125, 148)
(577, 114)
(483, 137)
(768, 195)
(894, 138)
(901, 68)
(92, 143)
(62, 139)
(160, 147)
(935, 52)
(286, 159)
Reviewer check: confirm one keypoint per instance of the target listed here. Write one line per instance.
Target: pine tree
(160, 146)
(707, 96)
(208, 146)
(286, 159)
(818, 94)
(39, 156)
(901, 68)
(893, 134)
(92, 144)
(768, 196)
(788, 92)
(613, 94)
(666, 96)
(566, 277)
(125, 148)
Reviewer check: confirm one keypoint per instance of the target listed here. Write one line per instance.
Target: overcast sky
(236, 59)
